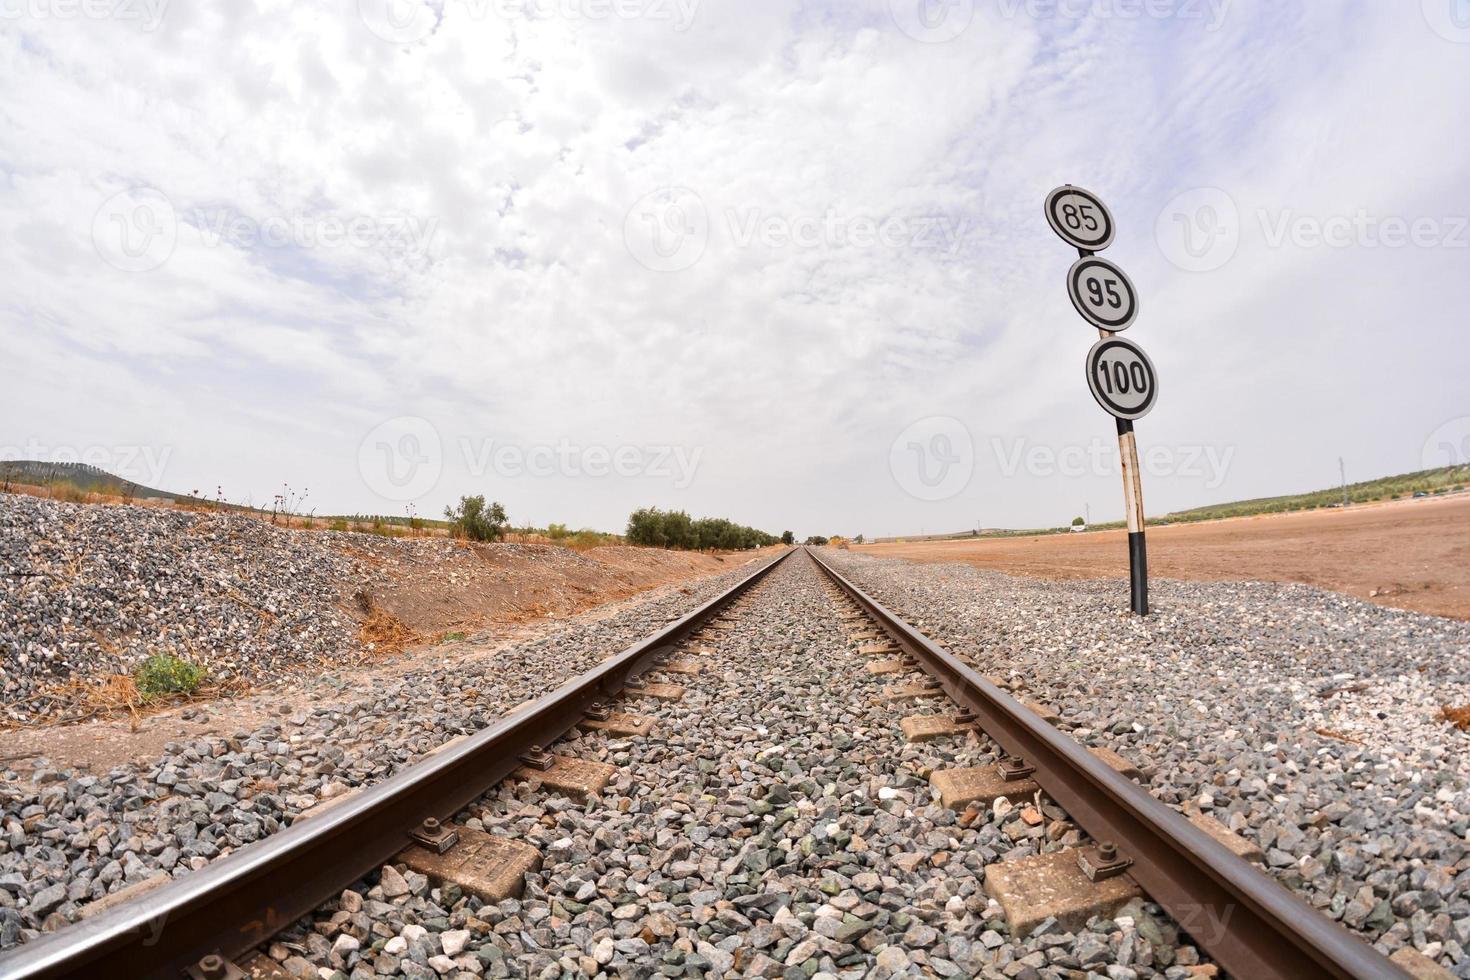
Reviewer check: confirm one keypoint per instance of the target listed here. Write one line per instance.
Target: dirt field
(479, 585)
(1408, 554)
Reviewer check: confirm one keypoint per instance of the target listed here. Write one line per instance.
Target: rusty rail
(1245, 920)
(236, 903)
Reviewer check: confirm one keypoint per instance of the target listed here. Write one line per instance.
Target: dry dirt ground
(97, 746)
(1408, 554)
(454, 589)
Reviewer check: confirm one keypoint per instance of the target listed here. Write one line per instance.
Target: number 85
(1079, 216)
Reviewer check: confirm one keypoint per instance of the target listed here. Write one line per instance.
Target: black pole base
(1138, 572)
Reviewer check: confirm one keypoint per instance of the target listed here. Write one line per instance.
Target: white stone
(720, 960)
(454, 941)
(392, 883)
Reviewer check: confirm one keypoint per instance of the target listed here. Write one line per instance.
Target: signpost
(1119, 373)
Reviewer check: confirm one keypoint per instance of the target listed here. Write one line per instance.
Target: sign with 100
(1119, 374)
(1121, 378)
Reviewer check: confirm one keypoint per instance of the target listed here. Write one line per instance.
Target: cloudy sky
(782, 262)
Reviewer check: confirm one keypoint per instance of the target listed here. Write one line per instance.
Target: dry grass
(1339, 736)
(1457, 716)
(386, 633)
(78, 700)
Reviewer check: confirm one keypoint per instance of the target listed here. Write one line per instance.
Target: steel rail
(239, 901)
(1250, 924)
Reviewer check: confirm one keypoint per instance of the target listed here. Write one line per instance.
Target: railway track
(760, 810)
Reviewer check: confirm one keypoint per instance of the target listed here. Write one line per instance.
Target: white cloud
(873, 249)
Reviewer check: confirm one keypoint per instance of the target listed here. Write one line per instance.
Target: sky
(785, 263)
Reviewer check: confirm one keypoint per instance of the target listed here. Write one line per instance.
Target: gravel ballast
(776, 823)
(68, 837)
(1307, 721)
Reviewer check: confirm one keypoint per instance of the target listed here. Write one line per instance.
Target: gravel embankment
(1305, 720)
(775, 824)
(86, 591)
(68, 837)
(89, 591)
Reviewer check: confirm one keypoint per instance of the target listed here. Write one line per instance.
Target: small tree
(1078, 522)
(476, 522)
(646, 527)
(787, 537)
(858, 539)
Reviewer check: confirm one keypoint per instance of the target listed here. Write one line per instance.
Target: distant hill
(86, 478)
(1440, 480)
(1436, 481)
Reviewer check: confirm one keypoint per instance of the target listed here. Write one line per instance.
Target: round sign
(1122, 378)
(1080, 217)
(1102, 294)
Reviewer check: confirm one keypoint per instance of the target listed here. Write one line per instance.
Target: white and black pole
(1119, 373)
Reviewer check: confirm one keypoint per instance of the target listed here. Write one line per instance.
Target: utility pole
(1342, 472)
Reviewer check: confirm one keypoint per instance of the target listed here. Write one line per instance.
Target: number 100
(1118, 378)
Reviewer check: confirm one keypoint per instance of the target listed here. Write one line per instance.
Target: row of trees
(675, 529)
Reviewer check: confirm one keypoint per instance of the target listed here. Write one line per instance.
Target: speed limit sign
(1122, 378)
(1080, 217)
(1119, 374)
(1102, 294)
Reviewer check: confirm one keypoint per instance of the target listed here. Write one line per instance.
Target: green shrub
(674, 529)
(164, 673)
(475, 521)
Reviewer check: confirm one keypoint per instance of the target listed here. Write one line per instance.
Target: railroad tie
(656, 690)
(574, 778)
(492, 868)
(621, 724)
